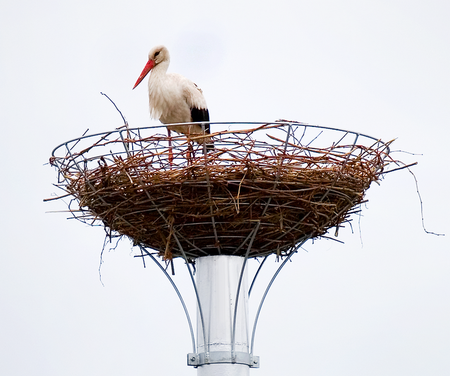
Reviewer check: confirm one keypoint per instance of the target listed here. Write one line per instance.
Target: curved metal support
(187, 265)
(195, 290)
(233, 333)
(178, 294)
(267, 291)
(256, 275)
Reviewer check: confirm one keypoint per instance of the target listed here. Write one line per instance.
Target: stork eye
(157, 53)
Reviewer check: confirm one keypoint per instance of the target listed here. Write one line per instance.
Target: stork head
(157, 55)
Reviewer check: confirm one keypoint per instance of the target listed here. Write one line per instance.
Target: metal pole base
(223, 370)
(222, 336)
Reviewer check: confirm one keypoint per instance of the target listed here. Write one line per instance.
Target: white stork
(175, 99)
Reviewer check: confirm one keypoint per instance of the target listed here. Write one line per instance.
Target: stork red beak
(148, 67)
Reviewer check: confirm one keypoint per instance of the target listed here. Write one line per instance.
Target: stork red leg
(189, 152)
(170, 147)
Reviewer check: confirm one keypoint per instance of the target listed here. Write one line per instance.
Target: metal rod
(194, 286)
(186, 312)
(256, 275)
(261, 124)
(267, 291)
(233, 333)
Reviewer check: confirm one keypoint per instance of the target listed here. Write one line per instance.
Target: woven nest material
(247, 197)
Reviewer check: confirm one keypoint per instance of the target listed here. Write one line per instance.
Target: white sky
(378, 67)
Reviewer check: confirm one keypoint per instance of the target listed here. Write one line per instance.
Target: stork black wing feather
(201, 114)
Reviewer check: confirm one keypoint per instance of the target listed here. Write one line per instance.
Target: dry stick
(57, 198)
(125, 145)
(279, 168)
(400, 168)
(75, 144)
(421, 207)
(124, 120)
(417, 190)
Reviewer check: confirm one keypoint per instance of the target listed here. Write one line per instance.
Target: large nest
(260, 191)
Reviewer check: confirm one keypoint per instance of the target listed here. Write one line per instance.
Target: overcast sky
(377, 305)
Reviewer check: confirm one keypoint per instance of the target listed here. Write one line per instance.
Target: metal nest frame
(269, 187)
(263, 190)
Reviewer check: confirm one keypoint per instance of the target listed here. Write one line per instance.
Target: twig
(421, 207)
(123, 118)
(400, 168)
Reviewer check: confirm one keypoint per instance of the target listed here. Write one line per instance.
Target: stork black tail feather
(206, 129)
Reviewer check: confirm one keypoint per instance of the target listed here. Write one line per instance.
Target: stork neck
(160, 69)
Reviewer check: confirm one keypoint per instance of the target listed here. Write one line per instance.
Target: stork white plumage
(175, 99)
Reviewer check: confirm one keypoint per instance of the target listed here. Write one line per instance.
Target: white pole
(217, 284)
